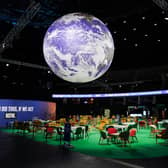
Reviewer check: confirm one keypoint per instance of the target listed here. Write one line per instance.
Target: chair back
(37, 123)
(59, 130)
(142, 123)
(49, 129)
(124, 135)
(26, 126)
(78, 130)
(132, 132)
(15, 124)
(163, 131)
(103, 134)
(111, 130)
(20, 125)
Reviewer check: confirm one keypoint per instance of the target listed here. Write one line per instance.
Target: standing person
(67, 133)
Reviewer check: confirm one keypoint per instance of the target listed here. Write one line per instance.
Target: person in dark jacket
(67, 133)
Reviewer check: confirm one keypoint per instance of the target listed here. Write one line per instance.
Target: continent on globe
(78, 47)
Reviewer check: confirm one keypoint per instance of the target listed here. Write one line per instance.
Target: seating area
(101, 136)
(104, 147)
(48, 129)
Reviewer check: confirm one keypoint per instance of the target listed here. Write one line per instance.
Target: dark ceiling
(139, 29)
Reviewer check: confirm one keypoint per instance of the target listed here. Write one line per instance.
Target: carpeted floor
(146, 146)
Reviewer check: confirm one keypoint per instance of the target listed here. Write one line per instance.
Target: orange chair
(102, 125)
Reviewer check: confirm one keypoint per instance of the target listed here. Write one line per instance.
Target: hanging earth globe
(78, 47)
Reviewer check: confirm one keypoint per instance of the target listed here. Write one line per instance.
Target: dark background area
(139, 29)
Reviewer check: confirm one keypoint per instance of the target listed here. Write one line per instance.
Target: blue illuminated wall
(26, 110)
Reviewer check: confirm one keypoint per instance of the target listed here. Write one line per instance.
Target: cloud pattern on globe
(78, 47)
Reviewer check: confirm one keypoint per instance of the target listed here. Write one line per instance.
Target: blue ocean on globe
(78, 47)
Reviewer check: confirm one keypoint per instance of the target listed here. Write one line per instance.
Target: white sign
(16, 108)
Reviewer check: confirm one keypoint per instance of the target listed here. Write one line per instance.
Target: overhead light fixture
(102, 95)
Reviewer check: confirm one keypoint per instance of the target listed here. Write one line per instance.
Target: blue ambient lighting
(102, 95)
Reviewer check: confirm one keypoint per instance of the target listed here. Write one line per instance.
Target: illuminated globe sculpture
(78, 47)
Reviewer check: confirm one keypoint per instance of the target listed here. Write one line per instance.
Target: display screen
(10, 115)
(24, 110)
